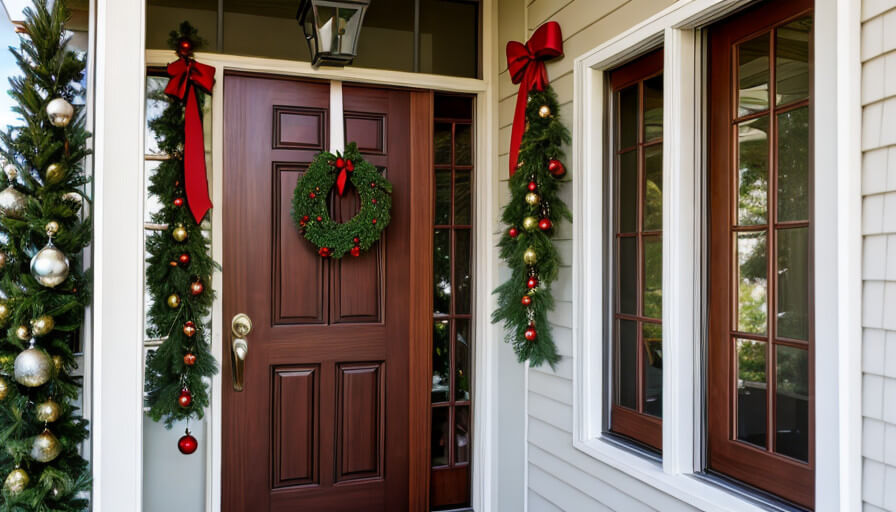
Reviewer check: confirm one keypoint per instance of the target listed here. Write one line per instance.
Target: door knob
(240, 327)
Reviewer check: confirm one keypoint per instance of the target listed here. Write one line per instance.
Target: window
(638, 250)
(452, 303)
(760, 257)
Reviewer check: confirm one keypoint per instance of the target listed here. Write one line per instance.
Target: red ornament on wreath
(358, 234)
(185, 398)
(556, 168)
(187, 444)
(513, 232)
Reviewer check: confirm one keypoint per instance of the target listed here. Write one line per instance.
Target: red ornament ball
(526, 300)
(189, 329)
(187, 444)
(532, 186)
(312, 195)
(513, 232)
(179, 201)
(323, 252)
(530, 333)
(356, 251)
(340, 163)
(545, 224)
(189, 359)
(556, 168)
(185, 398)
(196, 288)
(373, 221)
(319, 218)
(531, 283)
(356, 240)
(184, 258)
(184, 48)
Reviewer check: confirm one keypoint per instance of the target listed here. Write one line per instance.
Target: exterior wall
(559, 476)
(879, 257)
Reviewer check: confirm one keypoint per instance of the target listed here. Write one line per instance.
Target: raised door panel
(295, 400)
(360, 421)
(299, 127)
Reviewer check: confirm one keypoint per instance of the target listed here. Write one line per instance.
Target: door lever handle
(240, 327)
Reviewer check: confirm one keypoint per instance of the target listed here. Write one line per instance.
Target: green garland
(309, 204)
(532, 214)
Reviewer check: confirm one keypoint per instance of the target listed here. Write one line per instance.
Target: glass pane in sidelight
(653, 188)
(793, 283)
(156, 103)
(653, 369)
(628, 192)
(752, 172)
(441, 263)
(463, 144)
(792, 61)
(441, 435)
(628, 117)
(793, 165)
(792, 402)
(628, 275)
(752, 75)
(462, 202)
(442, 149)
(462, 371)
(653, 277)
(627, 364)
(752, 282)
(653, 108)
(443, 197)
(462, 447)
(441, 360)
(752, 395)
(463, 278)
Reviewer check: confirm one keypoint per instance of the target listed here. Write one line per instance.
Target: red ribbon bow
(187, 74)
(345, 166)
(526, 65)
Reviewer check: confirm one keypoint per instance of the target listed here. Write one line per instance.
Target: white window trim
(837, 132)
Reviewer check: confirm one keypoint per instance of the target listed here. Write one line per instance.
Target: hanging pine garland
(309, 204)
(180, 267)
(534, 208)
(43, 287)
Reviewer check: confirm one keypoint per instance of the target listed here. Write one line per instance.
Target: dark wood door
(323, 421)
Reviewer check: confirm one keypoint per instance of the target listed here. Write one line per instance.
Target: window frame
(837, 125)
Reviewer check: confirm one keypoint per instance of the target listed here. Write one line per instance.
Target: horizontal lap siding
(879, 254)
(560, 477)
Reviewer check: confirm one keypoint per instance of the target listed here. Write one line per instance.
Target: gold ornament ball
(544, 111)
(4, 388)
(532, 198)
(42, 325)
(530, 223)
(173, 301)
(52, 228)
(47, 412)
(73, 197)
(33, 367)
(16, 481)
(45, 447)
(179, 233)
(6, 364)
(3, 259)
(60, 112)
(57, 363)
(529, 257)
(55, 173)
(4, 312)
(23, 333)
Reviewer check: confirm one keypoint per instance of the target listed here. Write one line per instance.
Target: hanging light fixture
(332, 28)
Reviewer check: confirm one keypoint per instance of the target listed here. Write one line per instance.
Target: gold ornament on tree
(50, 265)
(23, 333)
(33, 367)
(180, 233)
(47, 412)
(173, 301)
(544, 111)
(45, 447)
(57, 364)
(3, 259)
(532, 198)
(16, 481)
(42, 325)
(4, 313)
(4, 388)
(12, 202)
(60, 112)
(529, 256)
(54, 174)
(530, 223)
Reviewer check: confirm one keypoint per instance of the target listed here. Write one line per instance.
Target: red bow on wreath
(345, 166)
(187, 74)
(526, 65)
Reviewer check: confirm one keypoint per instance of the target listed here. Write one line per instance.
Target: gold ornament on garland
(544, 111)
(3, 258)
(529, 256)
(60, 112)
(54, 174)
(33, 367)
(530, 223)
(57, 364)
(532, 198)
(4, 313)
(179, 233)
(47, 412)
(4, 388)
(173, 301)
(42, 325)
(16, 481)
(45, 447)
(23, 333)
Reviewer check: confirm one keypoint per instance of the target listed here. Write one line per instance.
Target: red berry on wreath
(526, 300)
(530, 333)
(178, 201)
(556, 168)
(372, 184)
(373, 201)
(356, 251)
(531, 283)
(356, 240)
(312, 195)
(184, 258)
(324, 252)
(189, 359)
(545, 224)
(513, 232)
(373, 221)
(532, 186)
(319, 218)
(185, 398)
(340, 163)
(187, 443)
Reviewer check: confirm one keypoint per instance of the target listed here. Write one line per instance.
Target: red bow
(526, 65)
(345, 166)
(185, 73)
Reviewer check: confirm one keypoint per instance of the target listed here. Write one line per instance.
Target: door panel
(323, 421)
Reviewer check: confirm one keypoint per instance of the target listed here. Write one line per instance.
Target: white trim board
(837, 125)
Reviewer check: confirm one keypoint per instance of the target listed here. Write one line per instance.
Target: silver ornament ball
(12, 203)
(11, 171)
(49, 266)
(33, 367)
(60, 112)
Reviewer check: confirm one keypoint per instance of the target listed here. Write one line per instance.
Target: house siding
(879, 254)
(559, 476)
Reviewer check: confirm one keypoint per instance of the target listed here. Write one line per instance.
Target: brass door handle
(240, 327)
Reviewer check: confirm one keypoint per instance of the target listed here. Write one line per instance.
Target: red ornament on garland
(531, 283)
(530, 333)
(545, 224)
(189, 359)
(189, 328)
(185, 398)
(178, 201)
(184, 258)
(532, 186)
(187, 444)
(184, 48)
(196, 288)
(356, 251)
(513, 232)
(526, 300)
(556, 168)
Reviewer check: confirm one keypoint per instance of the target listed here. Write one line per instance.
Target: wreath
(309, 203)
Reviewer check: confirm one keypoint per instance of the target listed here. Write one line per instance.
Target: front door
(324, 418)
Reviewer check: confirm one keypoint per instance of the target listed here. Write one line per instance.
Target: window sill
(689, 488)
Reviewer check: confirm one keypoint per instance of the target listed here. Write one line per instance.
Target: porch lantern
(332, 28)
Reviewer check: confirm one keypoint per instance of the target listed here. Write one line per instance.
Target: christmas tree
(43, 285)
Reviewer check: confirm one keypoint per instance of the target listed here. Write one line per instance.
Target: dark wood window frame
(633, 422)
(757, 466)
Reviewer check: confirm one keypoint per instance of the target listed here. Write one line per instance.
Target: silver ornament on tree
(45, 447)
(33, 367)
(50, 265)
(60, 112)
(12, 202)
